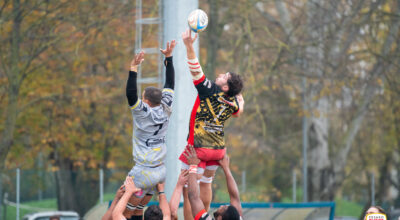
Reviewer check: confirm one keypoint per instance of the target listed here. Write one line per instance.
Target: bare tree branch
(377, 71)
(284, 16)
(266, 15)
(2, 8)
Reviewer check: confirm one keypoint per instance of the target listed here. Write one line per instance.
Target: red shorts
(208, 157)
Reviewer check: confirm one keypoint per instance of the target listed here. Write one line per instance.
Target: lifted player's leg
(145, 178)
(206, 185)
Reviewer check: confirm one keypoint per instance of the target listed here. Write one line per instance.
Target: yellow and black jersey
(210, 111)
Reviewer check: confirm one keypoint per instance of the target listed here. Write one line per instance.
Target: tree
(330, 33)
(63, 75)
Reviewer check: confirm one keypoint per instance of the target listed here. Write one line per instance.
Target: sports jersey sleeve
(166, 100)
(236, 107)
(204, 86)
(169, 73)
(131, 88)
(140, 108)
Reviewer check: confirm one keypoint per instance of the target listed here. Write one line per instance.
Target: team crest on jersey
(221, 99)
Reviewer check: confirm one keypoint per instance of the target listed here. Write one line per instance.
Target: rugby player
(216, 102)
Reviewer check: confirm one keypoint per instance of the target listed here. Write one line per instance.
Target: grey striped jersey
(150, 129)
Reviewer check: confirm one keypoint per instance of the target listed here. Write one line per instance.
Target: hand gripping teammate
(233, 211)
(150, 118)
(216, 102)
(121, 199)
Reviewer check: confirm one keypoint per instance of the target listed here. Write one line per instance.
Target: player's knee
(210, 171)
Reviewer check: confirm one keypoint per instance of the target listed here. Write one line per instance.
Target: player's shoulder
(167, 90)
(159, 114)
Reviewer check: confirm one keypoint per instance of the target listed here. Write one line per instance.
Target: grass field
(346, 208)
(10, 211)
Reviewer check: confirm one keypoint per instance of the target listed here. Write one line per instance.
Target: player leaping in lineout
(216, 102)
(150, 118)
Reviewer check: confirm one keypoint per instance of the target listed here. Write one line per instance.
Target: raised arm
(193, 188)
(176, 195)
(169, 67)
(118, 195)
(188, 40)
(231, 184)
(130, 189)
(194, 65)
(163, 202)
(131, 85)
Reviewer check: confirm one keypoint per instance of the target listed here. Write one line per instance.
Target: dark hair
(380, 209)
(153, 213)
(231, 213)
(153, 94)
(235, 84)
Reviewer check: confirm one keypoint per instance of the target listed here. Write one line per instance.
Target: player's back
(150, 129)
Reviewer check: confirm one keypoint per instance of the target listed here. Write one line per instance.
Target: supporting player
(163, 211)
(150, 118)
(233, 211)
(124, 193)
(216, 102)
(176, 195)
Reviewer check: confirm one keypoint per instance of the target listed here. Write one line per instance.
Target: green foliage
(73, 114)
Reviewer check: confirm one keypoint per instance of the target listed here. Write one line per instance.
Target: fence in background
(27, 191)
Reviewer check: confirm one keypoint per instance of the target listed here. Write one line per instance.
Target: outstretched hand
(183, 178)
(120, 192)
(170, 47)
(130, 185)
(137, 61)
(187, 38)
(191, 156)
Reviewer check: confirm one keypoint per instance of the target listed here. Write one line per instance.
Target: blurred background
(322, 92)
